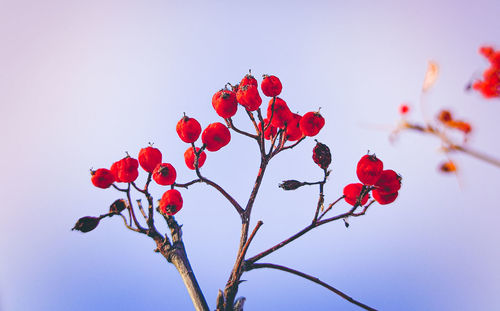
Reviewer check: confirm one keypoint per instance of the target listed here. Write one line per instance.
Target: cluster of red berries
(490, 85)
(246, 93)
(384, 184)
(126, 170)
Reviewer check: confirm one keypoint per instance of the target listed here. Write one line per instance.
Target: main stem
(234, 280)
(178, 257)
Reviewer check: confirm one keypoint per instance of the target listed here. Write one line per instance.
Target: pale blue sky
(83, 82)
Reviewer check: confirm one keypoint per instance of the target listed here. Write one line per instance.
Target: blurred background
(81, 83)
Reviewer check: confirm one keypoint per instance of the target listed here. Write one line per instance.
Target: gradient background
(81, 82)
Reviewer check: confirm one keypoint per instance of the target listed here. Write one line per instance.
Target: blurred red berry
(190, 158)
(102, 178)
(224, 103)
(352, 192)
(215, 136)
(171, 202)
(293, 131)
(448, 167)
(369, 169)
(281, 114)
(188, 129)
(388, 182)
(164, 174)
(149, 158)
(404, 109)
(270, 131)
(383, 197)
(248, 96)
(271, 86)
(311, 123)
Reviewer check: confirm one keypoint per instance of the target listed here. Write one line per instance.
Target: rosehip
(188, 129)
(293, 131)
(248, 80)
(215, 136)
(118, 206)
(149, 158)
(190, 158)
(125, 170)
(311, 123)
(281, 114)
(86, 224)
(369, 169)
(322, 155)
(164, 174)
(388, 182)
(224, 103)
(248, 96)
(171, 202)
(102, 178)
(271, 86)
(352, 192)
(384, 198)
(270, 130)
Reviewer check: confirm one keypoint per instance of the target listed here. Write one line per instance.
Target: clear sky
(81, 82)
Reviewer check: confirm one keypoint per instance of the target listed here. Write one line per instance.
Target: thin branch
(250, 115)
(233, 127)
(129, 227)
(139, 204)
(243, 252)
(330, 206)
(119, 189)
(131, 211)
(186, 185)
(310, 278)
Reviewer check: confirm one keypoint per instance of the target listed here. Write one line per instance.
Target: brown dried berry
(322, 155)
(86, 224)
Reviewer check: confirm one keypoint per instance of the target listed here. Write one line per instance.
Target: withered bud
(291, 184)
(86, 224)
(118, 206)
(322, 155)
(445, 116)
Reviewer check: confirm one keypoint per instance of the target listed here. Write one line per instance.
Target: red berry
(164, 174)
(215, 136)
(126, 170)
(149, 158)
(322, 155)
(188, 129)
(248, 80)
(270, 131)
(369, 169)
(248, 96)
(293, 131)
(102, 178)
(190, 158)
(171, 202)
(352, 192)
(404, 109)
(311, 123)
(388, 182)
(281, 114)
(114, 170)
(224, 103)
(271, 86)
(384, 198)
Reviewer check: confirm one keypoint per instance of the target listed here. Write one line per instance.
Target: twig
(233, 127)
(310, 278)
(330, 207)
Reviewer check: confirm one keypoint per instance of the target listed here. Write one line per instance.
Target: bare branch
(310, 278)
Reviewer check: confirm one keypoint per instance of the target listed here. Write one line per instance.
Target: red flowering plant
(279, 131)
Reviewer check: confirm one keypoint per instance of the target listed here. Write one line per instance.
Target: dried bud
(86, 224)
(291, 184)
(448, 167)
(118, 206)
(445, 116)
(322, 155)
